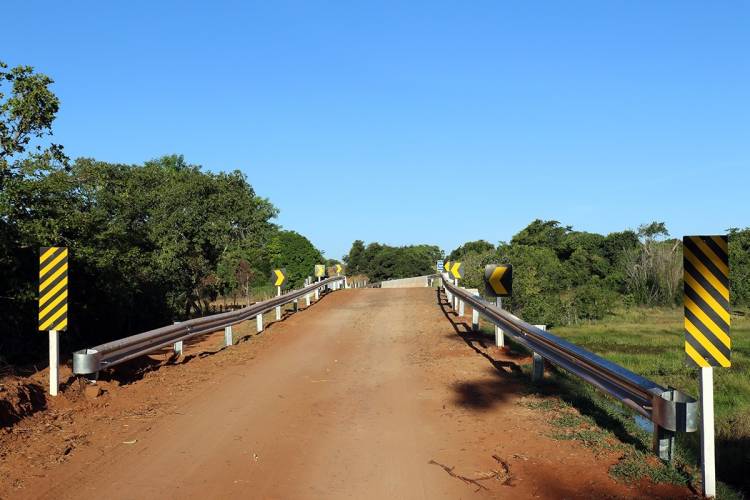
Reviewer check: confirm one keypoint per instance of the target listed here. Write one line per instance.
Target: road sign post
(499, 336)
(707, 331)
(54, 362)
(53, 305)
(457, 271)
(279, 279)
(278, 308)
(498, 283)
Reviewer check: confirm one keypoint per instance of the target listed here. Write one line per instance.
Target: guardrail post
(278, 308)
(663, 439)
(228, 336)
(499, 336)
(460, 307)
(475, 317)
(307, 299)
(317, 294)
(537, 369)
(296, 305)
(259, 322)
(177, 347)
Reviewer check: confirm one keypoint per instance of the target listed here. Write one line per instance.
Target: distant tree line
(148, 243)
(382, 262)
(562, 276)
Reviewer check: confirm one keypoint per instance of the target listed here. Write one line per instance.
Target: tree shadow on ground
(560, 385)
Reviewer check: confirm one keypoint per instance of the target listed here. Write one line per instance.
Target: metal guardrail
(670, 410)
(92, 360)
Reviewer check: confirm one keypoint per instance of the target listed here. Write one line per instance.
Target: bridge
(365, 393)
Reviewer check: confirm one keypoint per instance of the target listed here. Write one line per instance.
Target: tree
(739, 266)
(295, 253)
(355, 258)
(26, 113)
(477, 246)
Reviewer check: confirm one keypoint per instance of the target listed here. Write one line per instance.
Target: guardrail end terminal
(86, 362)
(672, 411)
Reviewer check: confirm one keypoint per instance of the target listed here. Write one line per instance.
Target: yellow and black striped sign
(706, 276)
(53, 288)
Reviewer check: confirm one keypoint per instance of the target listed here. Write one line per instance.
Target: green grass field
(650, 342)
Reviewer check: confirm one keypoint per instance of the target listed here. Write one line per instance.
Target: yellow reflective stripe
(718, 309)
(62, 325)
(719, 263)
(48, 295)
(695, 356)
(46, 254)
(706, 273)
(707, 345)
(52, 264)
(707, 321)
(722, 243)
(52, 304)
(50, 321)
(52, 278)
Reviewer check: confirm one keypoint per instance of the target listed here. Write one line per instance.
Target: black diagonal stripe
(57, 280)
(701, 351)
(713, 292)
(707, 309)
(720, 253)
(706, 261)
(726, 351)
(42, 307)
(51, 313)
(42, 279)
(49, 259)
(58, 322)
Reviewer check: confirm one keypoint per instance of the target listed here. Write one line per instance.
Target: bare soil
(371, 393)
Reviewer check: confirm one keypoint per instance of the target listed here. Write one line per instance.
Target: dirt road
(368, 394)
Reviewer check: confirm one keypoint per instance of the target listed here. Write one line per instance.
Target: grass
(650, 342)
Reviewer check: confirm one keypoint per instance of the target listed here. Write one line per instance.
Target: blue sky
(417, 122)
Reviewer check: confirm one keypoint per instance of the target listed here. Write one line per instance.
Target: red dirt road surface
(370, 393)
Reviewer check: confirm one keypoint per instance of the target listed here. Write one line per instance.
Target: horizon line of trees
(563, 276)
(381, 262)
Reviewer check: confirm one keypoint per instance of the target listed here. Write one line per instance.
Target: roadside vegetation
(620, 296)
(383, 262)
(650, 343)
(149, 243)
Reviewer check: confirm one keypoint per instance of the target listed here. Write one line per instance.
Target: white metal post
(259, 322)
(499, 337)
(708, 457)
(455, 297)
(278, 308)
(54, 362)
(228, 336)
(460, 307)
(475, 317)
(307, 299)
(177, 346)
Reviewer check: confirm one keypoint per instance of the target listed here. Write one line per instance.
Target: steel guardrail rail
(92, 360)
(667, 408)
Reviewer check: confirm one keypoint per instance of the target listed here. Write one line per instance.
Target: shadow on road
(484, 394)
